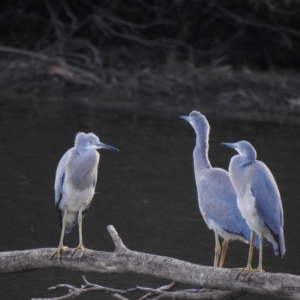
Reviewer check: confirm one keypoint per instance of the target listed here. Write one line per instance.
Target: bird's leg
(248, 268)
(249, 263)
(80, 246)
(61, 247)
(223, 252)
(261, 245)
(217, 251)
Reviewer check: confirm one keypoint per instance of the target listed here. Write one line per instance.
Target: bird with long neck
(75, 182)
(216, 195)
(258, 200)
(200, 153)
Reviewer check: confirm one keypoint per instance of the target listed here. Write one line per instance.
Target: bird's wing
(218, 200)
(60, 176)
(266, 193)
(95, 180)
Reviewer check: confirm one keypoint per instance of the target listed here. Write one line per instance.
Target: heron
(75, 182)
(217, 198)
(258, 200)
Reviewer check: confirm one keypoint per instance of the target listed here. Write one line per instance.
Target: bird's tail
(70, 223)
(279, 246)
(282, 245)
(256, 241)
(68, 229)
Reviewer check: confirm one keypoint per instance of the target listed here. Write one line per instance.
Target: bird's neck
(249, 156)
(83, 151)
(201, 161)
(87, 163)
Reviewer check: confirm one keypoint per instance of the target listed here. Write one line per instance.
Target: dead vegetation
(232, 54)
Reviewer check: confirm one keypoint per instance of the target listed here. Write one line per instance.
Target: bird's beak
(104, 146)
(231, 145)
(187, 118)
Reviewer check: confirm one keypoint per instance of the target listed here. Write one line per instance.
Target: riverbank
(171, 89)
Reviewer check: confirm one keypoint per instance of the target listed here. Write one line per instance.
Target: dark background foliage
(263, 33)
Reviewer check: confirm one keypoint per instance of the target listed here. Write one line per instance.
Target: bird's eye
(91, 142)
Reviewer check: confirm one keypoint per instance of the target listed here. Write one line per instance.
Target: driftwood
(154, 294)
(123, 261)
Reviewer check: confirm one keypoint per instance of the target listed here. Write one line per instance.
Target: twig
(160, 294)
(120, 247)
(24, 52)
(118, 20)
(72, 16)
(56, 23)
(162, 288)
(259, 24)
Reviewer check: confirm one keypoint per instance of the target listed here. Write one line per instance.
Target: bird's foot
(60, 249)
(247, 271)
(252, 271)
(242, 271)
(80, 246)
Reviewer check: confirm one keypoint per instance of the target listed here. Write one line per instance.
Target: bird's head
(198, 121)
(244, 148)
(89, 141)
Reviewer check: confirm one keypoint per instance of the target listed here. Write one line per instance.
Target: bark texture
(123, 260)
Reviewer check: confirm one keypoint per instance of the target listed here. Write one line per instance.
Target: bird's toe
(58, 251)
(242, 271)
(251, 272)
(79, 247)
(247, 271)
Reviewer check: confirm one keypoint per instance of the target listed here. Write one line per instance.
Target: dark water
(146, 190)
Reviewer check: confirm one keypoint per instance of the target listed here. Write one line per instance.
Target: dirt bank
(170, 89)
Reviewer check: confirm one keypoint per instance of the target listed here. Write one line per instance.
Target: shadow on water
(146, 190)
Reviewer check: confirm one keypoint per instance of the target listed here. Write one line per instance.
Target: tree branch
(123, 261)
(162, 288)
(160, 294)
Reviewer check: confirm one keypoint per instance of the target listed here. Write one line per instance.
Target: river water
(146, 190)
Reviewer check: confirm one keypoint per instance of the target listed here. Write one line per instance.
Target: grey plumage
(217, 198)
(258, 197)
(75, 182)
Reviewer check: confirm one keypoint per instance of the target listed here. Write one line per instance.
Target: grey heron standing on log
(217, 198)
(258, 200)
(75, 181)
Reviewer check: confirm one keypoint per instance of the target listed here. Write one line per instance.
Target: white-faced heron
(75, 181)
(216, 196)
(258, 200)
